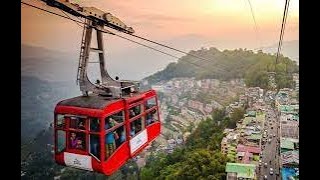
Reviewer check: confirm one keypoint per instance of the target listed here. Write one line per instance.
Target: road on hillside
(270, 150)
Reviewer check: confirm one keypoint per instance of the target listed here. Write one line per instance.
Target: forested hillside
(230, 64)
(200, 158)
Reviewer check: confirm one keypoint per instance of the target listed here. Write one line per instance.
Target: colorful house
(246, 153)
(288, 144)
(237, 170)
(290, 159)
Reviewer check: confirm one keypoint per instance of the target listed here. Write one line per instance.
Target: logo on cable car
(78, 161)
(138, 141)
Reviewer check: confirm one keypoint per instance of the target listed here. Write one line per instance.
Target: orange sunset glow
(223, 23)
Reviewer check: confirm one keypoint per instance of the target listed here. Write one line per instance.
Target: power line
(71, 18)
(126, 33)
(159, 50)
(198, 57)
(50, 12)
(285, 22)
(168, 47)
(254, 20)
(67, 17)
(163, 45)
(284, 19)
(141, 44)
(284, 29)
(146, 46)
(284, 26)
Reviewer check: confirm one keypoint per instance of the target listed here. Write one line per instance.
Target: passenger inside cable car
(114, 126)
(81, 125)
(134, 111)
(77, 141)
(94, 125)
(150, 118)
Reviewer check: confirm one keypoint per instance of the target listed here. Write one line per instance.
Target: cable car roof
(95, 101)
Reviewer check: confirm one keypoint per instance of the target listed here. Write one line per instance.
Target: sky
(183, 24)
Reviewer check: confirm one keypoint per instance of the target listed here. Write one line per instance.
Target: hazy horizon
(55, 65)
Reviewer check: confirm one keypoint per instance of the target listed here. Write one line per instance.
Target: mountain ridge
(228, 64)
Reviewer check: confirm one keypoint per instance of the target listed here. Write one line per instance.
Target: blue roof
(287, 173)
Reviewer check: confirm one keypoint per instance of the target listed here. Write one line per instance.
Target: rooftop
(254, 137)
(286, 108)
(252, 149)
(288, 143)
(287, 173)
(247, 120)
(252, 113)
(225, 131)
(290, 130)
(232, 136)
(261, 117)
(246, 158)
(290, 157)
(242, 170)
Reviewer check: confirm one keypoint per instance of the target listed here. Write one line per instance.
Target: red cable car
(100, 135)
(112, 121)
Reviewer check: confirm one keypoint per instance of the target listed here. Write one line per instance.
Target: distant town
(264, 144)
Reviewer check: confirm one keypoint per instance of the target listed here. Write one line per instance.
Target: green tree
(236, 115)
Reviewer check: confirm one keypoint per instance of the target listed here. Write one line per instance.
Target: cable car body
(92, 109)
(112, 121)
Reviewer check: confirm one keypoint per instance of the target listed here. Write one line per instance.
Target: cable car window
(151, 103)
(134, 111)
(77, 140)
(135, 127)
(60, 121)
(95, 145)
(94, 125)
(122, 136)
(118, 117)
(61, 140)
(77, 123)
(151, 117)
(111, 138)
(110, 122)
